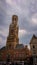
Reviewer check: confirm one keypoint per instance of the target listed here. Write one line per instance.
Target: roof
(3, 48)
(19, 46)
(33, 37)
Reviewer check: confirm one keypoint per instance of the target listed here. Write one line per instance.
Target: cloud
(0, 39)
(3, 36)
(22, 32)
(0, 42)
(34, 19)
(9, 2)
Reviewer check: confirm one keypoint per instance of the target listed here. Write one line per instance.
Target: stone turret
(12, 39)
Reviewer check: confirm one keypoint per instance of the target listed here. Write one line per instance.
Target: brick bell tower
(12, 39)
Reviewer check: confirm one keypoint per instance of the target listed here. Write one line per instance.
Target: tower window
(35, 64)
(10, 46)
(33, 46)
(15, 19)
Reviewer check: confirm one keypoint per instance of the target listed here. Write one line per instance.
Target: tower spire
(12, 39)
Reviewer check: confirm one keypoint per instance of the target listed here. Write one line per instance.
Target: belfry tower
(12, 39)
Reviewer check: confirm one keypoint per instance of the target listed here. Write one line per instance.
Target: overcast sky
(27, 14)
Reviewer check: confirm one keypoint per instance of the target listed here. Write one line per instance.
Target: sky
(27, 19)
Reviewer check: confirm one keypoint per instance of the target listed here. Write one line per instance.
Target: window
(15, 19)
(35, 64)
(9, 45)
(8, 57)
(33, 46)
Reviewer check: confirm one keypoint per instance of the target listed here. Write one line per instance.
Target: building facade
(33, 47)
